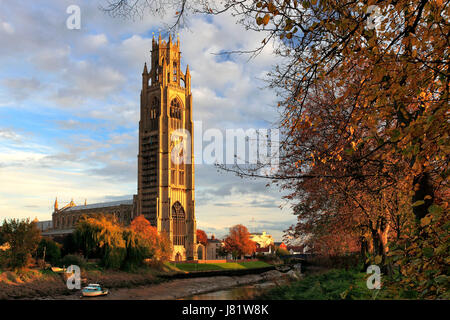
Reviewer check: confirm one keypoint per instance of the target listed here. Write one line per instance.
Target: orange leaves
(238, 241)
(271, 7)
(265, 20)
(201, 237)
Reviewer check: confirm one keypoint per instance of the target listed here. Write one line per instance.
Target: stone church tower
(166, 188)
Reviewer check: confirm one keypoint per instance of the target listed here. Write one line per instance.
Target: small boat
(94, 290)
(58, 270)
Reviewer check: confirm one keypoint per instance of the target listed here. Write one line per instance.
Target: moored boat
(94, 290)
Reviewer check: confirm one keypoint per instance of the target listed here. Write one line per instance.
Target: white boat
(94, 290)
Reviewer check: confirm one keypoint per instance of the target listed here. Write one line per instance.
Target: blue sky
(69, 108)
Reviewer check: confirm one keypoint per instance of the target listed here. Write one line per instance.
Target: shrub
(73, 259)
(69, 245)
(51, 249)
(281, 252)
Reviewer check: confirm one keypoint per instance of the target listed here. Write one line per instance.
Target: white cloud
(7, 27)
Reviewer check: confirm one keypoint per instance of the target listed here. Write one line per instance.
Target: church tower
(166, 187)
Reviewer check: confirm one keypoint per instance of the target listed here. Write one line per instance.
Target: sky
(69, 111)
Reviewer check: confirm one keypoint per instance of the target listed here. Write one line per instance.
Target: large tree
(23, 238)
(238, 241)
(159, 244)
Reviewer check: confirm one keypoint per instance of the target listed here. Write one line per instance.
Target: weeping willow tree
(101, 237)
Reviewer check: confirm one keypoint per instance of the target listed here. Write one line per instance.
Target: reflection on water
(245, 292)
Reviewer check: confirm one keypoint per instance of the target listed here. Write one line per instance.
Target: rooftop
(100, 205)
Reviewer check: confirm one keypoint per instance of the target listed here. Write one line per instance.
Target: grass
(220, 266)
(335, 284)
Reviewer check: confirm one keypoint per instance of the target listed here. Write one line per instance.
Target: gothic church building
(165, 191)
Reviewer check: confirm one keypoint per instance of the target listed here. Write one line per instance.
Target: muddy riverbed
(217, 287)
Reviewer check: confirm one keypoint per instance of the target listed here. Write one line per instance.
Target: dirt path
(177, 288)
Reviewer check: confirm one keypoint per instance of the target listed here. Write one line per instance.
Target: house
(295, 249)
(262, 239)
(264, 251)
(213, 249)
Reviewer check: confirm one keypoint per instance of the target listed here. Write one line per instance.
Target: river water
(244, 292)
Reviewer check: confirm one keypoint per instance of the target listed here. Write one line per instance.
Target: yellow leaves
(378, 259)
(418, 203)
(351, 130)
(425, 221)
(265, 20)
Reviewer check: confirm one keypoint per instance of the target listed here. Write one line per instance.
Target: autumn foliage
(102, 236)
(159, 244)
(202, 237)
(365, 119)
(238, 242)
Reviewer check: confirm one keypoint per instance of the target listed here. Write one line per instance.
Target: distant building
(262, 239)
(212, 249)
(44, 225)
(264, 251)
(296, 249)
(68, 216)
(280, 245)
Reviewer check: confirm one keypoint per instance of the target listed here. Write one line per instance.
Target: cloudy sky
(69, 111)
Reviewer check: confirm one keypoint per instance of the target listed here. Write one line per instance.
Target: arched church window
(175, 109)
(179, 224)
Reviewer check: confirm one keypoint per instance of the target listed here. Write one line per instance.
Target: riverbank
(181, 288)
(334, 284)
(36, 284)
(163, 282)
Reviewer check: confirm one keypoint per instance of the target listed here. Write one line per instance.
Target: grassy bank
(190, 267)
(335, 284)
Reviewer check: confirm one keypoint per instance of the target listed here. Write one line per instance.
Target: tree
(238, 241)
(49, 250)
(202, 237)
(23, 237)
(281, 251)
(159, 245)
(102, 236)
(69, 245)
